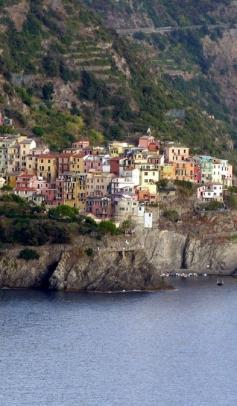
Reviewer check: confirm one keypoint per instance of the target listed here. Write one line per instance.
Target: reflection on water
(166, 348)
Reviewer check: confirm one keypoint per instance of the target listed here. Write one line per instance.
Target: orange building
(185, 170)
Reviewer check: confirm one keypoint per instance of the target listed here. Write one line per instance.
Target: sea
(165, 348)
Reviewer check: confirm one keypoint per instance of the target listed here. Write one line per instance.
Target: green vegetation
(213, 206)
(26, 224)
(63, 212)
(89, 252)
(184, 187)
(171, 215)
(233, 238)
(231, 199)
(28, 254)
(126, 226)
(108, 227)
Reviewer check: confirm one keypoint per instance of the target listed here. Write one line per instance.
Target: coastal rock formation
(116, 264)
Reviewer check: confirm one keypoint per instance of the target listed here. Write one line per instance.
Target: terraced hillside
(192, 44)
(64, 72)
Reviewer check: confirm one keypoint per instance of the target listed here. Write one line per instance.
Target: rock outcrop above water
(119, 263)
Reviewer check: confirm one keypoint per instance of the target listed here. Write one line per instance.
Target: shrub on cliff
(185, 188)
(212, 206)
(108, 227)
(171, 215)
(89, 252)
(63, 212)
(28, 254)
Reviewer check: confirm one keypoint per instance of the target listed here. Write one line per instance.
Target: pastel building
(176, 153)
(100, 207)
(122, 186)
(148, 142)
(47, 167)
(81, 144)
(25, 147)
(98, 184)
(8, 150)
(116, 165)
(211, 192)
(133, 175)
(64, 160)
(77, 163)
(185, 170)
(117, 148)
(26, 185)
(167, 171)
(222, 172)
(71, 190)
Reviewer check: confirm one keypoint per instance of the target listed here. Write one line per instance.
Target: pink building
(115, 164)
(27, 186)
(64, 162)
(176, 153)
(100, 207)
(50, 195)
(93, 163)
(82, 144)
(197, 173)
(148, 141)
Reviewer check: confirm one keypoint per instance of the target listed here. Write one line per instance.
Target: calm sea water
(153, 349)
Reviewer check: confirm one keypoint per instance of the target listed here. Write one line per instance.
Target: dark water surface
(153, 349)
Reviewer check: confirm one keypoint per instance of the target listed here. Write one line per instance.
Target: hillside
(64, 72)
(193, 46)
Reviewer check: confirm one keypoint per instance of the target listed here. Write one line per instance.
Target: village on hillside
(118, 181)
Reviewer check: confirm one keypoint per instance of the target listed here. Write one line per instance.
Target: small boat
(184, 275)
(220, 282)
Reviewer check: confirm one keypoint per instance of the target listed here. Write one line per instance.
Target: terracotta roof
(48, 155)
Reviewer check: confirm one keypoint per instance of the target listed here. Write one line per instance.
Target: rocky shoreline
(129, 263)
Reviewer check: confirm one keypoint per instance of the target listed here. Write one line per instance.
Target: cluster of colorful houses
(118, 181)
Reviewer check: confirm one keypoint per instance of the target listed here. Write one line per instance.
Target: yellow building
(25, 147)
(149, 176)
(31, 164)
(71, 190)
(167, 171)
(117, 148)
(47, 167)
(77, 163)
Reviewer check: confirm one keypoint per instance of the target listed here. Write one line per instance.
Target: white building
(133, 175)
(122, 186)
(148, 220)
(209, 193)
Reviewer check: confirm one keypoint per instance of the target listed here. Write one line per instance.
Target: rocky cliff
(135, 263)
